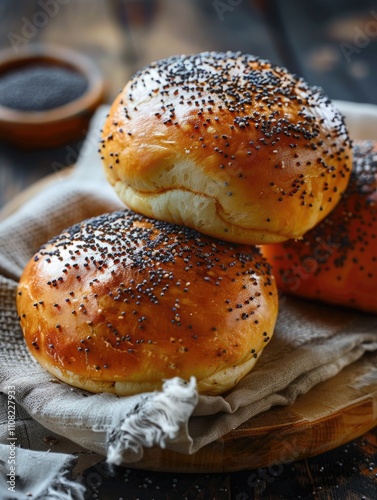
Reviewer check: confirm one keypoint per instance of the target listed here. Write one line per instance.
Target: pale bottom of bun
(198, 211)
(214, 385)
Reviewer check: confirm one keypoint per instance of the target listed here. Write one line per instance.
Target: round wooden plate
(329, 415)
(13, 205)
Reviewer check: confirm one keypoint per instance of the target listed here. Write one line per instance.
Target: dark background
(331, 43)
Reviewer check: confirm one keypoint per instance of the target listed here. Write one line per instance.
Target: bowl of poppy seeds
(47, 95)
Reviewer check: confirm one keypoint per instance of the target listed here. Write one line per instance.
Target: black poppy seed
(40, 87)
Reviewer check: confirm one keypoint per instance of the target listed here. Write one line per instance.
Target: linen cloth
(311, 343)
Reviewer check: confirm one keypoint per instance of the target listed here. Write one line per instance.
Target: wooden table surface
(123, 35)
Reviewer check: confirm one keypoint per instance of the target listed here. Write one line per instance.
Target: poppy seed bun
(119, 303)
(229, 145)
(336, 262)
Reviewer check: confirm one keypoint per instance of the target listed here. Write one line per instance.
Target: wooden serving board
(329, 415)
(13, 205)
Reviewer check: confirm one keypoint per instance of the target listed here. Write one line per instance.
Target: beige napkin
(311, 343)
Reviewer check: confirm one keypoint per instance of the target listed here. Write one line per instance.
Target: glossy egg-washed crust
(228, 144)
(336, 262)
(120, 303)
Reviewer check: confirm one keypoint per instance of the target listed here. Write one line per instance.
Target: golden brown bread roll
(337, 261)
(121, 302)
(227, 144)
